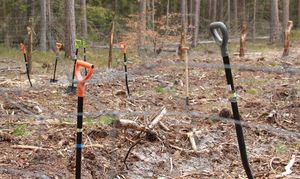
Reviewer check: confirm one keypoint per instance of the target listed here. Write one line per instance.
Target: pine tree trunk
(43, 33)
(221, 10)
(183, 15)
(298, 9)
(197, 15)
(70, 31)
(286, 14)
(214, 10)
(51, 42)
(168, 12)
(84, 32)
(228, 14)
(235, 3)
(254, 21)
(274, 25)
(153, 15)
(142, 25)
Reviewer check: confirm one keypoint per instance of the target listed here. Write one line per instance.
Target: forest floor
(38, 124)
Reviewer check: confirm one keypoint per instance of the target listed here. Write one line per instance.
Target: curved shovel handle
(123, 46)
(23, 48)
(82, 80)
(221, 41)
(58, 46)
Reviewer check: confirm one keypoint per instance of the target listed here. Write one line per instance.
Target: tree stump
(287, 33)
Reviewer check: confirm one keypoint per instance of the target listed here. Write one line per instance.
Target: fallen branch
(30, 147)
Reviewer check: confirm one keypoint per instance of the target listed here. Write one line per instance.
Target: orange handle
(124, 46)
(82, 80)
(23, 48)
(58, 45)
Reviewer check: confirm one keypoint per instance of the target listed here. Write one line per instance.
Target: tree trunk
(228, 14)
(286, 14)
(274, 25)
(168, 11)
(235, 3)
(298, 14)
(254, 21)
(49, 27)
(43, 33)
(142, 25)
(153, 15)
(214, 10)
(209, 9)
(70, 31)
(83, 19)
(197, 15)
(287, 38)
(191, 13)
(183, 15)
(221, 10)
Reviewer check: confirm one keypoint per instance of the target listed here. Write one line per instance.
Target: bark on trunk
(70, 31)
(142, 25)
(286, 14)
(183, 15)
(111, 42)
(254, 21)
(84, 32)
(43, 33)
(274, 25)
(197, 15)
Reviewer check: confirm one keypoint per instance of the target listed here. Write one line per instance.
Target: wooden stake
(185, 52)
(287, 33)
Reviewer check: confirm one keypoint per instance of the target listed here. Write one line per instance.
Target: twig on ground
(287, 168)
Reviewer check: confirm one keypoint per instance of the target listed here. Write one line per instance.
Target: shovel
(215, 27)
(80, 94)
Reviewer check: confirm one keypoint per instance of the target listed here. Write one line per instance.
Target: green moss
(160, 90)
(280, 148)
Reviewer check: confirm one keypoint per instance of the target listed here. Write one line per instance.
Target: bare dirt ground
(38, 124)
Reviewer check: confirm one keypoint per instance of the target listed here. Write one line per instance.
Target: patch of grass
(106, 120)
(295, 35)
(280, 148)
(252, 91)
(67, 121)
(21, 130)
(160, 90)
(89, 121)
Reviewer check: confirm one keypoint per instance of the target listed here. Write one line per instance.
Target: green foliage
(99, 18)
(280, 148)
(89, 121)
(252, 91)
(160, 90)
(107, 119)
(21, 130)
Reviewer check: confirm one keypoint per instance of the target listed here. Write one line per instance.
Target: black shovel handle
(222, 41)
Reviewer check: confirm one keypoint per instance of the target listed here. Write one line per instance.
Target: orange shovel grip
(82, 80)
(58, 45)
(23, 48)
(123, 46)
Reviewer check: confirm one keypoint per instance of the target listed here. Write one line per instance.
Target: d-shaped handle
(82, 80)
(58, 46)
(124, 46)
(78, 43)
(221, 41)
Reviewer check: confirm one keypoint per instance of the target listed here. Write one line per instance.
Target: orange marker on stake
(80, 94)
